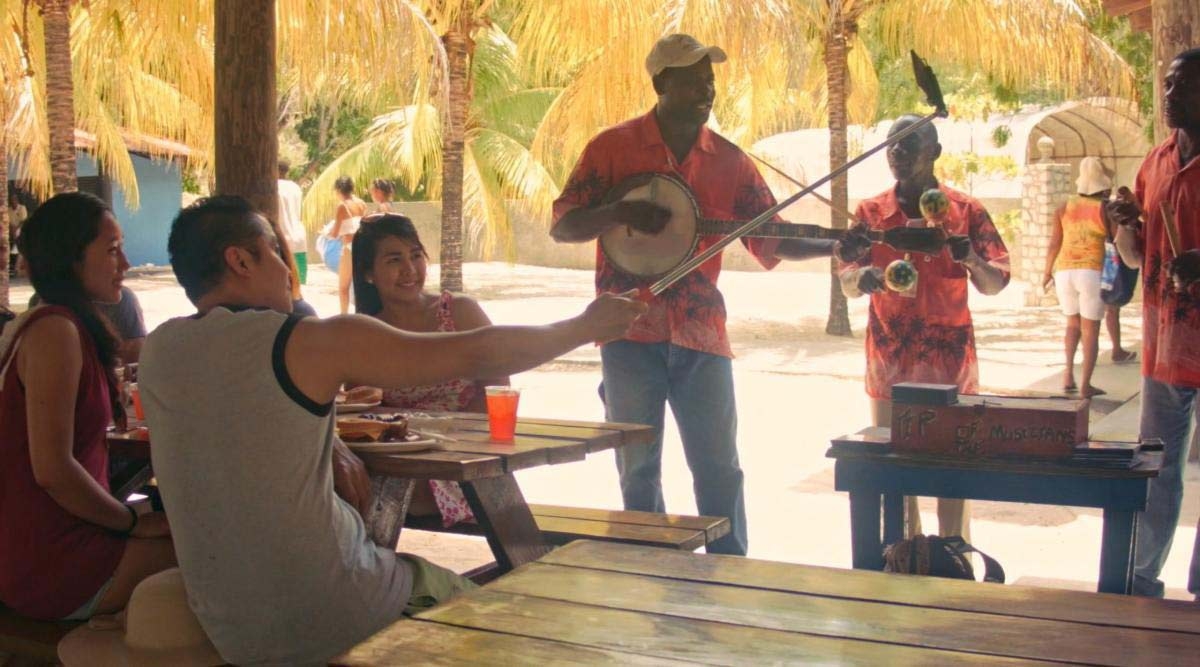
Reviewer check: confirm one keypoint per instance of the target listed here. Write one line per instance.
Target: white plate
(405, 447)
(347, 408)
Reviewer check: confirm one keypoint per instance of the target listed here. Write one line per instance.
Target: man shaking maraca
(925, 335)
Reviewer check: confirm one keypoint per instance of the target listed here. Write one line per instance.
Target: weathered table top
(474, 455)
(603, 603)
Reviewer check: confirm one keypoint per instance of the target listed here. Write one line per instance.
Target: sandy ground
(797, 389)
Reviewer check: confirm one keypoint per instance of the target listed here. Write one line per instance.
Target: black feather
(928, 84)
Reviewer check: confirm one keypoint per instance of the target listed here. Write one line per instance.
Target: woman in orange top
(1073, 263)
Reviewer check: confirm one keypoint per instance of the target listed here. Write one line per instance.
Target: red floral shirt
(1170, 320)
(927, 337)
(726, 186)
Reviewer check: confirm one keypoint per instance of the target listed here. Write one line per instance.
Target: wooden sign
(982, 426)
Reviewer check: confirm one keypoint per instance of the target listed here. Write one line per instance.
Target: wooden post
(1175, 26)
(247, 143)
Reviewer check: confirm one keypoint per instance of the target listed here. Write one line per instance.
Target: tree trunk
(835, 68)
(453, 143)
(247, 143)
(60, 93)
(4, 221)
(1175, 27)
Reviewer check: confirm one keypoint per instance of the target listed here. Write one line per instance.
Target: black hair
(201, 233)
(344, 185)
(284, 167)
(383, 185)
(1188, 56)
(374, 229)
(53, 241)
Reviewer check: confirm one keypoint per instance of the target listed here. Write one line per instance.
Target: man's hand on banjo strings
(639, 215)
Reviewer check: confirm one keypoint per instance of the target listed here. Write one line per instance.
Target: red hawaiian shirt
(726, 185)
(927, 337)
(1170, 320)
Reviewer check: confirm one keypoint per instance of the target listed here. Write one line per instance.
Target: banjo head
(651, 255)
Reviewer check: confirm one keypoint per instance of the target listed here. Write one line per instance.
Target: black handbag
(938, 557)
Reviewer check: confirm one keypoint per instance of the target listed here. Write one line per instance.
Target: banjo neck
(770, 230)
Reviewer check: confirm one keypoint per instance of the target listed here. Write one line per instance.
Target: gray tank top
(278, 568)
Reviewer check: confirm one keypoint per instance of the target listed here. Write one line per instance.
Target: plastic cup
(137, 401)
(502, 412)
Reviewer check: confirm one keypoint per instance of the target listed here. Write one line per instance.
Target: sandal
(1093, 391)
(1070, 388)
(1129, 356)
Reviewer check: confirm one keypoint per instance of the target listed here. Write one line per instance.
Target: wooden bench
(560, 525)
(34, 642)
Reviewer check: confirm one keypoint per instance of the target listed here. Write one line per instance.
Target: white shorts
(1079, 293)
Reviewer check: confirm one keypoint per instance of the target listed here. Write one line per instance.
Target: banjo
(649, 256)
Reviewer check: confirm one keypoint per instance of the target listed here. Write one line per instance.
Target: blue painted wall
(160, 190)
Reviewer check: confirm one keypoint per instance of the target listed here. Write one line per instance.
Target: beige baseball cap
(680, 50)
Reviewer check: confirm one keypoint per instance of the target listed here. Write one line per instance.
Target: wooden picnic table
(867, 469)
(606, 603)
(483, 467)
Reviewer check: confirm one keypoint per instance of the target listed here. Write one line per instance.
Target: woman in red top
(68, 549)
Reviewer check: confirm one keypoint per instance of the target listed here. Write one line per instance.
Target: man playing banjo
(679, 351)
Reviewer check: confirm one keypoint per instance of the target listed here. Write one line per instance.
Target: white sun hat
(157, 628)
(1092, 177)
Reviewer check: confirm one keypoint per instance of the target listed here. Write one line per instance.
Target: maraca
(900, 275)
(934, 204)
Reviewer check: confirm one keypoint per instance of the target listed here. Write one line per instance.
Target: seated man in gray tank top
(265, 501)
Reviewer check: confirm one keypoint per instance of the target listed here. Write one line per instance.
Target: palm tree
(147, 71)
(11, 79)
(497, 165)
(60, 92)
(798, 63)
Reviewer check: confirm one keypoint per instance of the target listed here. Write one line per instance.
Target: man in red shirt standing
(679, 351)
(1168, 179)
(924, 334)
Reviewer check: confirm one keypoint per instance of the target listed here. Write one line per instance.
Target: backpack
(938, 557)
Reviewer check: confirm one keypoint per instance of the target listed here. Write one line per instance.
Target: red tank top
(51, 561)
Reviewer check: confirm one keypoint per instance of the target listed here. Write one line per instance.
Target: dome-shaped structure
(1108, 128)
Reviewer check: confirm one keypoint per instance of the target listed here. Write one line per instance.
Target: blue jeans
(1167, 412)
(639, 380)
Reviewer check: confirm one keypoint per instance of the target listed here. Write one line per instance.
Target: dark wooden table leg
(390, 496)
(127, 476)
(866, 547)
(893, 518)
(502, 512)
(1116, 552)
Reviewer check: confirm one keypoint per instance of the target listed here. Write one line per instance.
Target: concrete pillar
(1046, 186)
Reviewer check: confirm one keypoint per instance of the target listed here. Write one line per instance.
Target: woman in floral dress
(390, 264)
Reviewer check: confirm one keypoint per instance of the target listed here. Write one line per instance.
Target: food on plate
(360, 395)
(360, 430)
(382, 427)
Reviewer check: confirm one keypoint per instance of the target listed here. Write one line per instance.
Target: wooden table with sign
(483, 467)
(613, 604)
(867, 469)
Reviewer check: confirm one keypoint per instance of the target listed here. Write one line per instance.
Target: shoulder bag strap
(992, 570)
